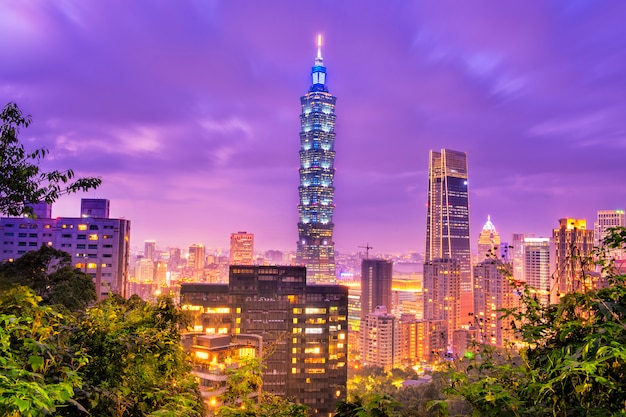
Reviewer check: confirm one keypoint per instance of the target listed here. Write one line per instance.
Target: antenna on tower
(367, 248)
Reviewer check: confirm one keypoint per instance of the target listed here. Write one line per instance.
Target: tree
(137, 365)
(22, 182)
(39, 369)
(244, 395)
(574, 358)
(50, 274)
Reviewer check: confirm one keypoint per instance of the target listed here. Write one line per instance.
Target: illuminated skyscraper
(241, 248)
(316, 249)
(447, 222)
(488, 241)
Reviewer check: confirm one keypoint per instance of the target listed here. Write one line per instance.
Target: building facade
(303, 327)
(605, 220)
(99, 245)
(241, 248)
(380, 344)
(573, 245)
(376, 282)
(442, 287)
(315, 247)
(537, 273)
(447, 220)
(492, 293)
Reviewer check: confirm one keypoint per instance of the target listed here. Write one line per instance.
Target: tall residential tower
(316, 249)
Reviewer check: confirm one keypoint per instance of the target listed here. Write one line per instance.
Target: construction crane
(367, 248)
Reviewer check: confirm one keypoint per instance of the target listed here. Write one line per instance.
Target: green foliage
(244, 395)
(574, 359)
(22, 182)
(119, 358)
(137, 365)
(49, 272)
(39, 369)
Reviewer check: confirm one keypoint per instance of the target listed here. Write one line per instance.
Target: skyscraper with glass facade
(316, 249)
(447, 221)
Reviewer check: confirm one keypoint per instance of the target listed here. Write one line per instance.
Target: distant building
(304, 328)
(241, 248)
(376, 281)
(488, 241)
(573, 245)
(607, 219)
(99, 245)
(447, 220)
(380, 345)
(315, 246)
(149, 250)
(536, 266)
(196, 256)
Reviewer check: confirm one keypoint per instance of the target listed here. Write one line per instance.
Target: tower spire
(319, 60)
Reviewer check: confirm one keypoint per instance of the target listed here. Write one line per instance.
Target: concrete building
(304, 328)
(537, 271)
(492, 293)
(605, 220)
(442, 287)
(241, 248)
(380, 344)
(573, 244)
(99, 245)
(197, 256)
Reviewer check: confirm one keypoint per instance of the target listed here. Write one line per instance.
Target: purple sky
(189, 110)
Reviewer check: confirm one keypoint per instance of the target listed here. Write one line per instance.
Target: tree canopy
(50, 274)
(23, 182)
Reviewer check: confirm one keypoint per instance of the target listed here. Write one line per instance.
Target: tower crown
(318, 72)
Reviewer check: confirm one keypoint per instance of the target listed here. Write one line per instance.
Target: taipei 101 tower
(316, 249)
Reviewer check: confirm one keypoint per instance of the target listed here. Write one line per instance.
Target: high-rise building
(376, 281)
(316, 248)
(573, 244)
(488, 241)
(196, 256)
(442, 288)
(99, 245)
(447, 221)
(536, 266)
(303, 328)
(607, 219)
(380, 339)
(492, 293)
(241, 248)
(149, 249)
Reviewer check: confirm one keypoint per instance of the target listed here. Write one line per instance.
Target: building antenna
(367, 248)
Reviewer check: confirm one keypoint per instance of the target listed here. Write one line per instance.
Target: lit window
(93, 236)
(82, 227)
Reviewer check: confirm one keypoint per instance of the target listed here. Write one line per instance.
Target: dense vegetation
(118, 358)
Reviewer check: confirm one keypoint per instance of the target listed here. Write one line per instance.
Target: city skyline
(189, 111)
